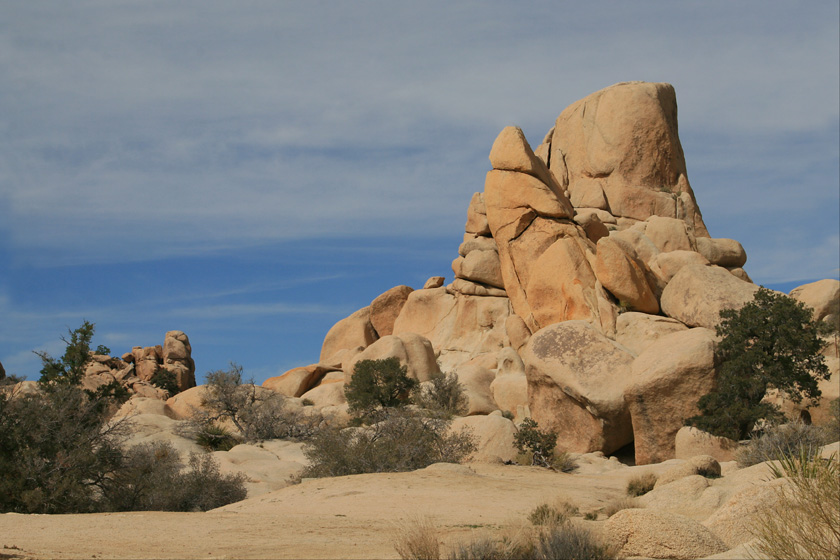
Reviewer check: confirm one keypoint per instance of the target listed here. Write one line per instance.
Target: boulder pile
(586, 289)
(135, 369)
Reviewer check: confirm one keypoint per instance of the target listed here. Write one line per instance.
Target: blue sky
(251, 172)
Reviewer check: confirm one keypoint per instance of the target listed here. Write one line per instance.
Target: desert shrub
(641, 485)
(205, 488)
(258, 414)
(378, 384)
(558, 541)
(56, 450)
(805, 520)
(166, 380)
(417, 539)
(591, 516)
(570, 541)
(210, 436)
(619, 504)
(442, 394)
(563, 462)
(397, 441)
(540, 444)
(545, 514)
(832, 428)
(782, 440)
(11, 380)
(771, 342)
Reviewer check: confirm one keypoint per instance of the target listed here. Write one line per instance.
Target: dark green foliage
(378, 384)
(213, 437)
(70, 368)
(166, 380)
(771, 342)
(396, 441)
(530, 439)
(443, 394)
(56, 451)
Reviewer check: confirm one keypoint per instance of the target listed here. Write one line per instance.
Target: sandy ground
(346, 517)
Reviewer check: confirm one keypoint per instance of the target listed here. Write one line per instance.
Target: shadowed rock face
(582, 257)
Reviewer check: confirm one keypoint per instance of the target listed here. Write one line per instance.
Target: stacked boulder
(587, 287)
(135, 369)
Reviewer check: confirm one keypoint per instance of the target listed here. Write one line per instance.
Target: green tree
(378, 384)
(70, 368)
(772, 342)
(540, 444)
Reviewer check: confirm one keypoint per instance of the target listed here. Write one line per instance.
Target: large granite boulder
(576, 382)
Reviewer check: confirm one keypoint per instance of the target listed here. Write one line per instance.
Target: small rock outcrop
(136, 369)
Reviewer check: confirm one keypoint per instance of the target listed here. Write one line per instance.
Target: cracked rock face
(587, 260)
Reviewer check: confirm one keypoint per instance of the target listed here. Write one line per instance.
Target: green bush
(166, 380)
(396, 441)
(641, 485)
(378, 384)
(212, 437)
(540, 444)
(782, 440)
(771, 342)
(443, 394)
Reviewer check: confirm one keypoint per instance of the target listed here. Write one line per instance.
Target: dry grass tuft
(641, 485)
(417, 539)
(619, 504)
(805, 521)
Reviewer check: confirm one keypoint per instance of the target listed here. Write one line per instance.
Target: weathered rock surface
(822, 296)
(297, 381)
(653, 534)
(576, 381)
(385, 309)
(414, 351)
(697, 294)
(624, 140)
(637, 331)
(494, 435)
(666, 379)
(624, 277)
(703, 465)
(690, 442)
(351, 332)
(461, 328)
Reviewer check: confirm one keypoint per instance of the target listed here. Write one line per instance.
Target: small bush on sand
(619, 504)
(152, 478)
(417, 539)
(805, 521)
(545, 514)
(562, 541)
(540, 444)
(443, 394)
(396, 441)
(256, 413)
(782, 440)
(378, 384)
(641, 485)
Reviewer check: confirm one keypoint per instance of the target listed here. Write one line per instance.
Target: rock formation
(135, 369)
(586, 289)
